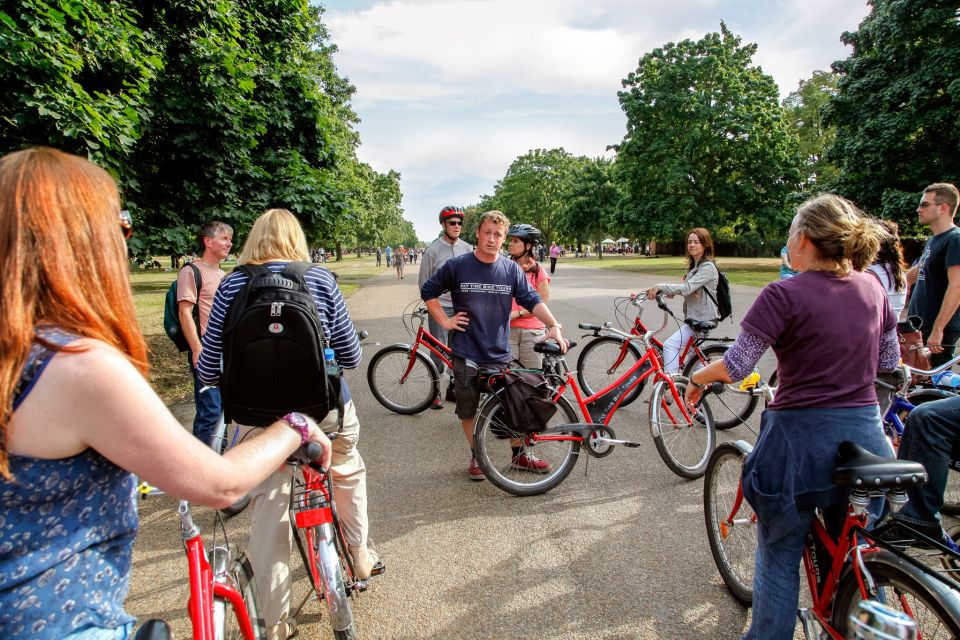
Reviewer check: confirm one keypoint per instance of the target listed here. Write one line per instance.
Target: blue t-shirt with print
(485, 292)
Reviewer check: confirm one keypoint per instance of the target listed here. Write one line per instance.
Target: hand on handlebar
(317, 436)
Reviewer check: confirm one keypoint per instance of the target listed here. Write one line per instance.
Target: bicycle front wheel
(733, 407)
(405, 395)
(731, 523)
(329, 579)
(685, 445)
(226, 619)
(905, 588)
(598, 368)
(540, 466)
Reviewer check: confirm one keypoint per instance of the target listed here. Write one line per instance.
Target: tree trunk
(339, 251)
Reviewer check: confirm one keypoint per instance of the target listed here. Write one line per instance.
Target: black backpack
(171, 311)
(723, 300)
(273, 345)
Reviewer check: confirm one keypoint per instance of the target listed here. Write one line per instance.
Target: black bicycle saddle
(702, 325)
(860, 469)
(551, 348)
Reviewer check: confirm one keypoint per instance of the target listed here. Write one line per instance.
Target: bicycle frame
(206, 581)
(426, 340)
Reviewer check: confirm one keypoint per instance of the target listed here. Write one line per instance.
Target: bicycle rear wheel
(409, 395)
(733, 407)
(597, 365)
(329, 575)
(731, 527)
(225, 617)
(685, 445)
(493, 443)
(905, 587)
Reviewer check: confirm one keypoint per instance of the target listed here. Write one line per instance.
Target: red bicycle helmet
(451, 212)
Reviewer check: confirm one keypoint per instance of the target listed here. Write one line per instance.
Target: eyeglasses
(126, 224)
(924, 204)
(455, 223)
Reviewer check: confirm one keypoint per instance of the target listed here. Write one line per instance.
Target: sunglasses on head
(455, 223)
(126, 224)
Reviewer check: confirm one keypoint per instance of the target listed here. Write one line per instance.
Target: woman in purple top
(832, 330)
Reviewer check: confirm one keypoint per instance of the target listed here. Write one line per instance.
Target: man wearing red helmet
(447, 246)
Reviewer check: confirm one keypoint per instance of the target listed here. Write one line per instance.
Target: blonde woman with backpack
(699, 291)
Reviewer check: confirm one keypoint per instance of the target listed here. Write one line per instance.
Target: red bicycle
(401, 376)
(606, 357)
(684, 439)
(842, 569)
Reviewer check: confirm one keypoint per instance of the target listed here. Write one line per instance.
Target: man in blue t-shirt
(482, 286)
(936, 294)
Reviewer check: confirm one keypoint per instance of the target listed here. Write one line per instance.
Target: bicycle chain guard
(598, 449)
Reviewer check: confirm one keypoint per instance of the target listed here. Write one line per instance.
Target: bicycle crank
(601, 442)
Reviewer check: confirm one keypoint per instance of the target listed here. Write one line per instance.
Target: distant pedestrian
(786, 270)
(554, 254)
(399, 259)
(379, 256)
(389, 253)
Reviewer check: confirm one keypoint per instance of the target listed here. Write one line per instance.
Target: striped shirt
(334, 318)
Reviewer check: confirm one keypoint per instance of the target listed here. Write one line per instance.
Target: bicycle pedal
(632, 445)
(378, 569)
(360, 586)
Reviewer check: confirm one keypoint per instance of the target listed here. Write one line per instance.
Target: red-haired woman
(77, 414)
(699, 291)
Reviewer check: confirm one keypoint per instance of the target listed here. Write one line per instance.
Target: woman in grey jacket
(699, 291)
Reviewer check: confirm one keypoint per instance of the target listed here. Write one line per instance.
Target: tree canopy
(805, 113)
(706, 142)
(897, 108)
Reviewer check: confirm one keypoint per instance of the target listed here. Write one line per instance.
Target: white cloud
(449, 93)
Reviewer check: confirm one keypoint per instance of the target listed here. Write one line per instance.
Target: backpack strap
(242, 298)
(198, 279)
(296, 271)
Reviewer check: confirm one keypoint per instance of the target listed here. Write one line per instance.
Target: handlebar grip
(313, 451)
(589, 327)
(363, 335)
(660, 302)
(717, 388)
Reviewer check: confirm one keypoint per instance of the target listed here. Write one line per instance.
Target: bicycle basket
(311, 504)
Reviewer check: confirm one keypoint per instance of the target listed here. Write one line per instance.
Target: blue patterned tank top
(66, 534)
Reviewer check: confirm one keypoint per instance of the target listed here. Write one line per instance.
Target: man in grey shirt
(448, 245)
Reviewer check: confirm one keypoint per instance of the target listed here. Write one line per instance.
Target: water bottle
(330, 359)
(947, 379)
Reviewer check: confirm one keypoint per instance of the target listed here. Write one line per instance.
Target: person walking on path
(399, 260)
(215, 239)
(447, 246)
(936, 277)
(389, 256)
(483, 285)
(379, 256)
(554, 254)
(526, 329)
(699, 291)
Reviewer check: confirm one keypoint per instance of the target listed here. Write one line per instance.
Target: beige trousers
(270, 536)
(521, 346)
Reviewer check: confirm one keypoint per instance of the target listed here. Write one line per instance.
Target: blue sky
(449, 93)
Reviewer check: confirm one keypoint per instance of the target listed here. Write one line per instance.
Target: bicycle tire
(905, 587)
(416, 393)
(732, 536)
(684, 445)
(595, 362)
(330, 580)
(731, 408)
(492, 448)
(240, 576)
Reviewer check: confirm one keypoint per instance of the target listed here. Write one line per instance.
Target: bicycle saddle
(860, 469)
(551, 348)
(702, 325)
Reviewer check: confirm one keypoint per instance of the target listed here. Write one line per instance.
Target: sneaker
(437, 402)
(904, 534)
(474, 471)
(451, 393)
(529, 462)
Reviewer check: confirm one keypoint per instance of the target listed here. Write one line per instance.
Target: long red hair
(64, 262)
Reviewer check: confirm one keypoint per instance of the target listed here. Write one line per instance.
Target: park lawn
(753, 272)
(169, 374)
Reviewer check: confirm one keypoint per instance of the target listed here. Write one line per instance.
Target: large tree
(805, 113)
(897, 110)
(590, 202)
(706, 141)
(75, 75)
(532, 189)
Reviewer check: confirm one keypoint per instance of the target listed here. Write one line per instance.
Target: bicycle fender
(742, 446)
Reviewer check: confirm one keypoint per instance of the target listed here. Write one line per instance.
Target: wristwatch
(298, 422)
(696, 384)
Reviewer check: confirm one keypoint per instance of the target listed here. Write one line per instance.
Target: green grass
(754, 272)
(169, 374)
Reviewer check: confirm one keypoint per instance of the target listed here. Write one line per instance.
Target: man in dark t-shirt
(482, 286)
(936, 292)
